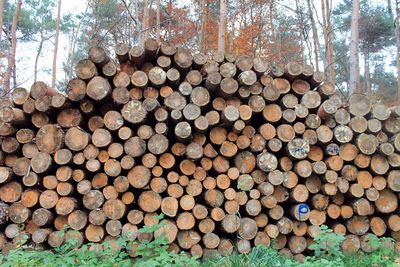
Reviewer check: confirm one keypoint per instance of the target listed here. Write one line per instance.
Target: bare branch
(128, 10)
(153, 26)
(291, 9)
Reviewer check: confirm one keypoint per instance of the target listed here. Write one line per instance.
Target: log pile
(234, 151)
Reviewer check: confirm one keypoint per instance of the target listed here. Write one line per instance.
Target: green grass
(326, 253)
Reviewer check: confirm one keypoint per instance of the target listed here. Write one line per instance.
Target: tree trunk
(1, 16)
(324, 30)
(327, 29)
(331, 66)
(354, 81)
(389, 8)
(14, 75)
(315, 35)
(300, 28)
(138, 24)
(271, 17)
(367, 75)
(39, 51)
(398, 46)
(231, 33)
(11, 57)
(58, 22)
(158, 22)
(204, 15)
(145, 23)
(222, 26)
(72, 51)
(170, 21)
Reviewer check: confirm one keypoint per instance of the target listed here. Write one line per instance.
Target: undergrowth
(326, 252)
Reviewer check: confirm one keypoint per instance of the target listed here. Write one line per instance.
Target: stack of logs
(234, 151)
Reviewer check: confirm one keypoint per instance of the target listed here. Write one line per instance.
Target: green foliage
(327, 244)
(155, 253)
(376, 33)
(103, 23)
(326, 248)
(26, 23)
(37, 17)
(383, 254)
(326, 253)
(259, 256)
(384, 83)
(148, 253)
(375, 26)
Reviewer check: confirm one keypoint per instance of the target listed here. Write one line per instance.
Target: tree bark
(58, 22)
(71, 51)
(389, 8)
(367, 75)
(299, 16)
(14, 75)
(327, 29)
(145, 24)
(315, 35)
(204, 15)
(39, 51)
(271, 18)
(354, 81)
(138, 28)
(158, 22)
(222, 26)
(11, 57)
(1, 16)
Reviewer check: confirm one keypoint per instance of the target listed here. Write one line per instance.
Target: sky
(24, 51)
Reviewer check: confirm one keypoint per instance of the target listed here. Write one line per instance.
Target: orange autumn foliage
(244, 42)
(176, 26)
(210, 42)
(248, 31)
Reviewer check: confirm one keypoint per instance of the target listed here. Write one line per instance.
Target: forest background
(355, 42)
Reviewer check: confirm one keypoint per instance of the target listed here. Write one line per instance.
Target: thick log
(98, 55)
(157, 76)
(247, 229)
(5, 174)
(187, 239)
(183, 58)
(293, 70)
(298, 148)
(122, 52)
(387, 201)
(271, 92)
(244, 63)
(327, 109)
(39, 89)
(367, 143)
(76, 139)
(359, 105)
(98, 88)
(19, 96)
(15, 115)
(49, 138)
(134, 112)
(326, 89)
(393, 180)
